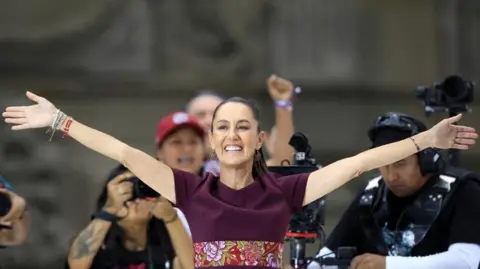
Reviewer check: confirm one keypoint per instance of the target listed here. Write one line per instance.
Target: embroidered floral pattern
(238, 253)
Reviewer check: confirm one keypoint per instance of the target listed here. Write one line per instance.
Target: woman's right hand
(119, 190)
(39, 115)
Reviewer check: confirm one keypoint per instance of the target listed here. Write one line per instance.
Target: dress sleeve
(185, 185)
(293, 187)
(466, 214)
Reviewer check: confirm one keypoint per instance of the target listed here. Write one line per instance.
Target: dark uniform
(444, 211)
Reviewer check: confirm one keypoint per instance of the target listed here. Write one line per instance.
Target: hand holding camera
(162, 209)
(120, 190)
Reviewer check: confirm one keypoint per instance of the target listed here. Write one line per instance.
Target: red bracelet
(67, 127)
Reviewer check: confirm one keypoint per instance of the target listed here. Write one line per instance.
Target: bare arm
(281, 89)
(285, 129)
(182, 243)
(177, 264)
(18, 234)
(332, 176)
(44, 114)
(87, 244)
(154, 173)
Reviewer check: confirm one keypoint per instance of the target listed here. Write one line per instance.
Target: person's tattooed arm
(87, 244)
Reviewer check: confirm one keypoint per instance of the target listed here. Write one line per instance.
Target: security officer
(416, 214)
(14, 222)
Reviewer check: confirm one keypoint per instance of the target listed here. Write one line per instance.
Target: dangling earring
(212, 155)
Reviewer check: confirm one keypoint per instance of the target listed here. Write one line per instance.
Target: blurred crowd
(208, 186)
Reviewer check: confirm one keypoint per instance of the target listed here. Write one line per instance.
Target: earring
(212, 155)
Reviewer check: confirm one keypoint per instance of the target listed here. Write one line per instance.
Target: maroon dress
(246, 227)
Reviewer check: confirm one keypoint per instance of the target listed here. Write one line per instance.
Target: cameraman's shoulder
(373, 183)
(468, 185)
(471, 183)
(464, 178)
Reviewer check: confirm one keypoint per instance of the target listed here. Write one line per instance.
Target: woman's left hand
(446, 135)
(162, 209)
(279, 88)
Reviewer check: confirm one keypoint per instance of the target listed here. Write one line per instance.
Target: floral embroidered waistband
(238, 253)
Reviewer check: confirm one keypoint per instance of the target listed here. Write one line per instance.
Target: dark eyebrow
(243, 121)
(222, 121)
(240, 121)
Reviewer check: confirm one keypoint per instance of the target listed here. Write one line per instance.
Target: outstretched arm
(154, 173)
(443, 135)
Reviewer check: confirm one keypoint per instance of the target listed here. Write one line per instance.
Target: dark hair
(259, 168)
(201, 93)
(157, 234)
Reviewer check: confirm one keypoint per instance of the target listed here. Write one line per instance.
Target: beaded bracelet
(58, 119)
(288, 104)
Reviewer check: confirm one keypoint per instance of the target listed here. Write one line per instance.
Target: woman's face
(183, 150)
(235, 135)
(202, 108)
(138, 209)
(139, 213)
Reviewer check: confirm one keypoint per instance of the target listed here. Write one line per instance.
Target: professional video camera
(452, 95)
(139, 189)
(306, 226)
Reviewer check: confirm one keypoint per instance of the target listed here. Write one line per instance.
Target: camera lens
(455, 88)
(144, 191)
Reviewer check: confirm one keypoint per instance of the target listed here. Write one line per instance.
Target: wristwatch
(107, 216)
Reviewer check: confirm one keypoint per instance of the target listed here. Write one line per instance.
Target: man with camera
(13, 217)
(416, 214)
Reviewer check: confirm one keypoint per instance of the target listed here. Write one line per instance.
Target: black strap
(104, 215)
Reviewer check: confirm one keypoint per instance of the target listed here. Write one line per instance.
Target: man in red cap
(180, 142)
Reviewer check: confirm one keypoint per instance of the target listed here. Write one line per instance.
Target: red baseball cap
(173, 122)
